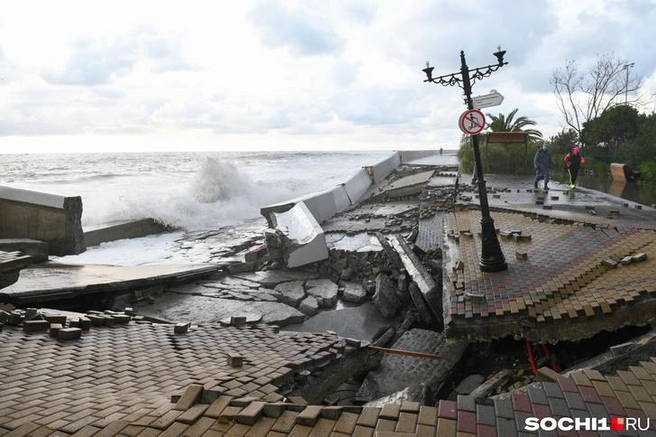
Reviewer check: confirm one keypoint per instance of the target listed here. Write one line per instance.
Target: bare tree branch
(582, 98)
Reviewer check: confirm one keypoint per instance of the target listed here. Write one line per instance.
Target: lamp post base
(492, 259)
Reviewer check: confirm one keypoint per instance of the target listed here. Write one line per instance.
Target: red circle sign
(472, 122)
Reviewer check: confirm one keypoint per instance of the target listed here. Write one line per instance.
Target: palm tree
(501, 123)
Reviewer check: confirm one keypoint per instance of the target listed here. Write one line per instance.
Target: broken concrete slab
(304, 241)
(406, 186)
(385, 299)
(291, 293)
(271, 278)
(324, 290)
(396, 372)
(309, 306)
(362, 322)
(58, 282)
(432, 298)
(354, 293)
(201, 309)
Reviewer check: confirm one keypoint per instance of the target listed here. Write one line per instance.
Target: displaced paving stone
(324, 290)
(309, 306)
(385, 298)
(354, 293)
(69, 334)
(35, 325)
(291, 293)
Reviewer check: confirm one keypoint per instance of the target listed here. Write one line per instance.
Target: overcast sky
(236, 75)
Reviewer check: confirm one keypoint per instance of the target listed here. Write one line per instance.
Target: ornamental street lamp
(492, 259)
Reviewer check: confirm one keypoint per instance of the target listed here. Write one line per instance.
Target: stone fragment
(309, 306)
(238, 320)
(282, 315)
(639, 257)
(627, 260)
(54, 329)
(354, 293)
(4, 316)
(324, 290)
(235, 360)
(35, 326)
(69, 334)
(521, 254)
(385, 298)
(181, 328)
(609, 262)
(291, 293)
(83, 323)
(55, 318)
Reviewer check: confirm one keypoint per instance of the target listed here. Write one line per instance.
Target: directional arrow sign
(487, 100)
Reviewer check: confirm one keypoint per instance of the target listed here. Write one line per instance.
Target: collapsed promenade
(579, 263)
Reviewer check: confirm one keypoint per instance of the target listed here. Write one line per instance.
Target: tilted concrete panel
(357, 185)
(307, 241)
(382, 169)
(57, 220)
(340, 198)
(321, 205)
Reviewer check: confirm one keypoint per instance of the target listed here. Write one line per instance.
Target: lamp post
(492, 259)
(626, 90)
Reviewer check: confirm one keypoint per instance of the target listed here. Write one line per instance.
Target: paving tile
(466, 421)
(537, 394)
(446, 427)
(369, 417)
(503, 408)
(363, 431)
(427, 415)
(407, 422)
(506, 428)
(447, 409)
(521, 402)
(485, 415)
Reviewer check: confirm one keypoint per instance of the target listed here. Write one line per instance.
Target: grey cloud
(96, 62)
(305, 32)
(379, 106)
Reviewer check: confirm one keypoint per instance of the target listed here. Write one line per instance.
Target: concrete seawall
(51, 218)
(324, 205)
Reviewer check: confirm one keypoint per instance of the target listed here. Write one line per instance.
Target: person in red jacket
(574, 161)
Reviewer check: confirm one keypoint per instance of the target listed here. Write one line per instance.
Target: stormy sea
(212, 200)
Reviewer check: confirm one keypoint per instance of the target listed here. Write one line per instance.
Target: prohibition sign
(472, 122)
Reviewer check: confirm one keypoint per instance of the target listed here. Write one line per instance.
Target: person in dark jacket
(574, 161)
(542, 164)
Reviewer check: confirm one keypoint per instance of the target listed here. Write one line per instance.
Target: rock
(291, 293)
(385, 298)
(324, 290)
(283, 315)
(468, 384)
(354, 293)
(309, 306)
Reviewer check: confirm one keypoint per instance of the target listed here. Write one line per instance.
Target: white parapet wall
(54, 219)
(357, 185)
(411, 155)
(383, 168)
(308, 242)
